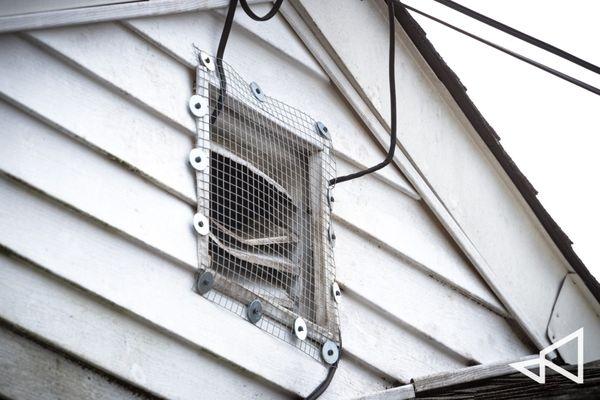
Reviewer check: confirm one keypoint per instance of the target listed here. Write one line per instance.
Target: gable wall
(98, 254)
(468, 189)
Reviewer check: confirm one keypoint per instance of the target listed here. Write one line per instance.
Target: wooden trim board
(111, 12)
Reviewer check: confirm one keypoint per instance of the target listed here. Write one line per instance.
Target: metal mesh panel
(264, 195)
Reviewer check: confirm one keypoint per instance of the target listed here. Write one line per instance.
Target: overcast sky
(550, 127)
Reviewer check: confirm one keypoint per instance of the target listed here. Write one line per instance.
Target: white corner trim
(567, 317)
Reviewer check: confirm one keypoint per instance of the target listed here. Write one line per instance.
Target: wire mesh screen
(264, 196)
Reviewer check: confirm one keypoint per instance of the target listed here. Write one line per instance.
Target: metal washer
(323, 131)
(300, 328)
(254, 311)
(198, 106)
(337, 293)
(199, 159)
(330, 352)
(201, 224)
(331, 235)
(330, 198)
(204, 282)
(207, 60)
(257, 92)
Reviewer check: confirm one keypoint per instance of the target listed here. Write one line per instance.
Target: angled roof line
(488, 381)
(459, 93)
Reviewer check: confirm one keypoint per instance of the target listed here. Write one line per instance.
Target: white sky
(550, 127)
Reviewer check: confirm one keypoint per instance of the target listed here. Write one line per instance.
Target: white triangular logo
(542, 362)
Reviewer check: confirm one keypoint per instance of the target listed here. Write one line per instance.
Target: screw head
(254, 311)
(330, 352)
(201, 224)
(300, 329)
(199, 159)
(331, 235)
(337, 293)
(322, 130)
(198, 106)
(204, 282)
(257, 92)
(207, 61)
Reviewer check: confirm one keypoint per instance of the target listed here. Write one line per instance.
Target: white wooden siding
(494, 225)
(31, 371)
(98, 197)
(16, 7)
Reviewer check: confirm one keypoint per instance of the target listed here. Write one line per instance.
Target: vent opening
(265, 195)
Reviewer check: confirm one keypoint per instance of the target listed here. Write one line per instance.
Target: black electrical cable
(223, 43)
(325, 384)
(520, 35)
(223, 89)
(330, 373)
(265, 17)
(392, 83)
(518, 56)
(220, 54)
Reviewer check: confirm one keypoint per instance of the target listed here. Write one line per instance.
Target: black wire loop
(265, 17)
(223, 89)
(392, 80)
(223, 43)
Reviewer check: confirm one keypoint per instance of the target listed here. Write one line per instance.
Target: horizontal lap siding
(33, 371)
(99, 197)
(92, 330)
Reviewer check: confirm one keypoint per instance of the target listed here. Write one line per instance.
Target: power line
(511, 53)
(520, 35)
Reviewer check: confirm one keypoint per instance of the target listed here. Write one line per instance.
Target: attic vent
(263, 222)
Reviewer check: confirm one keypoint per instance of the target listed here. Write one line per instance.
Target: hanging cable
(519, 35)
(267, 16)
(222, 91)
(220, 53)
(518, 56)
(325, 384)
(392, 83)
(330, 373)
(223, 43)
